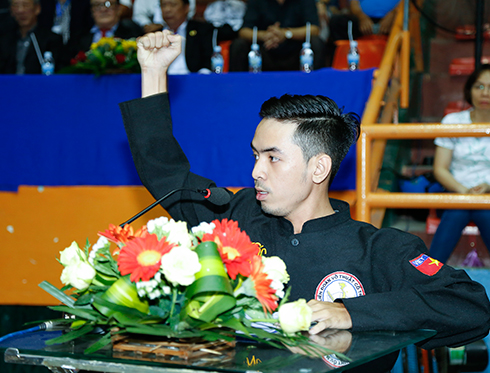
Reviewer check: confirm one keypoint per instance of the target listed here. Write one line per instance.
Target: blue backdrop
(67, 129)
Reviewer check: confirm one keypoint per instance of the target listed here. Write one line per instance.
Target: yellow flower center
(230, 252)
(149, 258)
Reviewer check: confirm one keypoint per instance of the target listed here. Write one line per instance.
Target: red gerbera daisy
(234, 246)
(120, 235)
(263, 291)
(141, 257)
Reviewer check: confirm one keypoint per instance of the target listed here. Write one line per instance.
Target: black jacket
(382, 276)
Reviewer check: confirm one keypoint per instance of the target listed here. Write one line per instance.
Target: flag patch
(426, 264)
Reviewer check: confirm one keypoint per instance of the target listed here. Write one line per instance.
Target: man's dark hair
(471, 80)
(321, 126)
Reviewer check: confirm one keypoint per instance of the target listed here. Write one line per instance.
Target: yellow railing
(369, 199)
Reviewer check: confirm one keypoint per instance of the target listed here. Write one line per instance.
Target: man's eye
(256, 156)
(274, 159)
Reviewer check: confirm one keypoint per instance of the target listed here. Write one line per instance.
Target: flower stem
(174, 299)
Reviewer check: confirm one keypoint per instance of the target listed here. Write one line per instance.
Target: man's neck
(320, 209)
(26, 29)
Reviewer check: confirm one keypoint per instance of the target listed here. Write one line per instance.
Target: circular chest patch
(338, 285)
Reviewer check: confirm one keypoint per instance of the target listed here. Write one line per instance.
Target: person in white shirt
(462, 165)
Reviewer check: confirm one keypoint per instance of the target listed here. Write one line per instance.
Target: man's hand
(329, 316)
(158, 50)
(274, 36)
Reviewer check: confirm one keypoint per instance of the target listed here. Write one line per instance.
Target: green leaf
(70, 336)
(58, 294)
(104, 341)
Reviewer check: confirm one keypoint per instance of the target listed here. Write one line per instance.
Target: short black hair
(321, 125)
(471, 80)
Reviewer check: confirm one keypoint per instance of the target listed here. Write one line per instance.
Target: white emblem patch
(339, 285)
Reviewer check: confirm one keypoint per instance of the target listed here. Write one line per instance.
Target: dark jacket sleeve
(447, 300)
(161, 164)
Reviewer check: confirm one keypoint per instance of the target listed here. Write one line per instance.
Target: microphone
(217, 196)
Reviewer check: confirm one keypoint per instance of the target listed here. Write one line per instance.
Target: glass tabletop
(244, 357)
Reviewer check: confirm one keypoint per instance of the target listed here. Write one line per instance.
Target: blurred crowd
(29, 28)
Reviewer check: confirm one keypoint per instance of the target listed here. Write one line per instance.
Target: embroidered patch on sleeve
(426, 264)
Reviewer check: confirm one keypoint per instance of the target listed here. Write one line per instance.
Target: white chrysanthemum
(155, 224)
(72, 255)
(101, 243)
(177, 232)
(180, 266)
(79, 275)
(203, 228)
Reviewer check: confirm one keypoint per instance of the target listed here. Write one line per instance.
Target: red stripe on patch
(426, 264)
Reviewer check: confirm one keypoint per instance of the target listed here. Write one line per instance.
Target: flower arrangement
(108, 54)
(164, 280)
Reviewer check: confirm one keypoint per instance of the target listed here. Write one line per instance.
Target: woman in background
(462, 165)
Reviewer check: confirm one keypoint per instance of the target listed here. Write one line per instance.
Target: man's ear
(322, 167)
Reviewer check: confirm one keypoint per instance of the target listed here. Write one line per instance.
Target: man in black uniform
(357, 276)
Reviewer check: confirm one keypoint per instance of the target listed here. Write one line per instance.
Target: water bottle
(48, 64)
(217, 61)
(306, 58)
(353, 56)
(254, 59)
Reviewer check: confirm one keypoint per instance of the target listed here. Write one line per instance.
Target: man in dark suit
(107, 23)
(66, 17)
(198, 37)
(22, 49)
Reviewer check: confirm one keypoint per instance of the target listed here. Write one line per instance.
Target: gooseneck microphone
(217, 196)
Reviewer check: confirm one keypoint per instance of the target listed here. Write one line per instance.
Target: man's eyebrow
(267, 150)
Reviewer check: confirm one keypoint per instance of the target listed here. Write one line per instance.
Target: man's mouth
(261, 194)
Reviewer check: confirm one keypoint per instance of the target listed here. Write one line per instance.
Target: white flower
(100, 244)
(180, 265)
(177, 233)
(295, 316)
(79, 275)
(275, 268)
(203, 228)
(72, 255)
(155, 224)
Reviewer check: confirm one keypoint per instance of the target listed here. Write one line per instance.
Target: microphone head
(218, 196)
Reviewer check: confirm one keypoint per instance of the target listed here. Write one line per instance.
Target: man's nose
(258, 172)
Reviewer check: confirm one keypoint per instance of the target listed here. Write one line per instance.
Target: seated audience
(462, 165)
(66, 17)
(107, 23)
(22, 49)
(148, 14)
(281, 26)
(197, 37)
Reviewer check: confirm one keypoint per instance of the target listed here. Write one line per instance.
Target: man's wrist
(288, 34)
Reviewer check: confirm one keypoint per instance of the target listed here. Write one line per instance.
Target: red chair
(465, 65)
(371, 52)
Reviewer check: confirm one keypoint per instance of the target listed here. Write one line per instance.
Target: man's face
(25, 12)
(105, 13)
(281, 174)
(174, 13)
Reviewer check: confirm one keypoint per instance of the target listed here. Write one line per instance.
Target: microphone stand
(150, 207)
